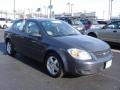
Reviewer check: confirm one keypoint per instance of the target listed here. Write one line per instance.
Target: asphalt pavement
(23, 73)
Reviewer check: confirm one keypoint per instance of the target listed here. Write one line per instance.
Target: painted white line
(117, 51)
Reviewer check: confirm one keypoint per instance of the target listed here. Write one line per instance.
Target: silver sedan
(110, 32)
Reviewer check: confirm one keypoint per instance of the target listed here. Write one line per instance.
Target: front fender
(61, 53)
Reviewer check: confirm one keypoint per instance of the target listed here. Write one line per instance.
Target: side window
(18, 26)
(112, 26)
(32, 28)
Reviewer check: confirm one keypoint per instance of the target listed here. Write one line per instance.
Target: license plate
(108, 64)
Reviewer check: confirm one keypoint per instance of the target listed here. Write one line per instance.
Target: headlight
(79, 28)
(79, 54)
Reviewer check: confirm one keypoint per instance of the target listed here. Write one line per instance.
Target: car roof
(42, 19)
(39, 19)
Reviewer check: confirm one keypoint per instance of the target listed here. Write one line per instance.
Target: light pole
(39, 12)
(14, 10)
(68, 7)
(50, 7)
(72, 9)
(45, 10)
(110, 8)
(103, 14)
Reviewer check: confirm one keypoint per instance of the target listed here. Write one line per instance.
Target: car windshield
(58, 28)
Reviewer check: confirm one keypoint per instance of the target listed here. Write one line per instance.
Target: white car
(4, 23)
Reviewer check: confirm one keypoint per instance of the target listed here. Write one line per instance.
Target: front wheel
(4, 26)
(53, 65)
(92, 35)
(9, 48)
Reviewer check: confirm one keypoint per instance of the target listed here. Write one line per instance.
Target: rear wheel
(4, 26)
(53, 65)
(10, 49)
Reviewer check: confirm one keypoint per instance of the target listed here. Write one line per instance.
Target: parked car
(90, 23)
(4, 23)
(75, 22)
(60, 47)
(110, 32)
(86, 23)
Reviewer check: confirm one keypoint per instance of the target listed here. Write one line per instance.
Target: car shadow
(40, 66)
(30, 62)
(115, 46)
(24, 59)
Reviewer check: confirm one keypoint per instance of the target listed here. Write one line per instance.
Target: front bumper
(88, 67)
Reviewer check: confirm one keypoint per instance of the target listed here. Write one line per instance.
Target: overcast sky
(99, 6)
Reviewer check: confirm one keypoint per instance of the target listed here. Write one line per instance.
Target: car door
(17, 35)
(117, 33)
(107, 33)
(33, 40)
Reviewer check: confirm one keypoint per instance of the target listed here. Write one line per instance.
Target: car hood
(84, 42)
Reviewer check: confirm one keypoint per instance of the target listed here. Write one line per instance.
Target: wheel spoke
(8, 48)
(56, 68)
(55, 62)
(53, 65)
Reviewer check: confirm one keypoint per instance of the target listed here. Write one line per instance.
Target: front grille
(102, 54)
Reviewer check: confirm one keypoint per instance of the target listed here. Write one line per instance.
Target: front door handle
(34, 41)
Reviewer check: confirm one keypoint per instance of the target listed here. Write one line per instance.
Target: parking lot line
(117, 51)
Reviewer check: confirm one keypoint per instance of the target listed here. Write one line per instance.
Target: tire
(92, 35)
(4, 26)
(53, 65)
(10, 49)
